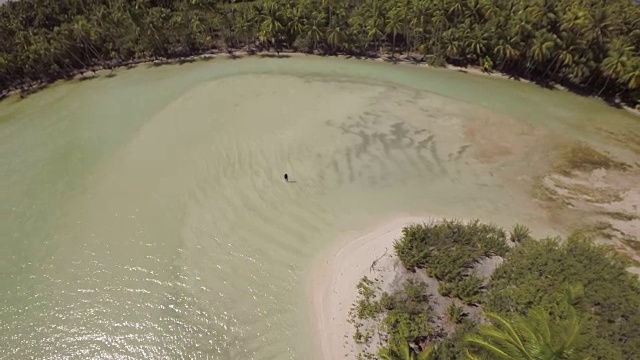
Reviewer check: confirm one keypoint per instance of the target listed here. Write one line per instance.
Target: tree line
(590, 45)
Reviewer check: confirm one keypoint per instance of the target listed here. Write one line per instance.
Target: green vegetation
(588, 45)
(580, 157)
(402, 351)
(519, 233)
(448, 250)
(549, 299)
(455, 313)
(531, 337)
(536, 273)
(404, 319)
(536, 336)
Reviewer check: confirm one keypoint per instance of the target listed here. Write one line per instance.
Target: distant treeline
(590, 45)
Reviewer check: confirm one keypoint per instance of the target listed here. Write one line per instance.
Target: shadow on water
(391, 59)
(87, 78)
(180, 61)
(96, 76)
(274, 56)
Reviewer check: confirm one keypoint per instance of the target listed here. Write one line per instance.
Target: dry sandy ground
(334, 279)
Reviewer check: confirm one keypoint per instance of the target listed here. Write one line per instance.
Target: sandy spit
(334, 277)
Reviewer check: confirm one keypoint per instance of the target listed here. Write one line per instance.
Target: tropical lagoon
(144, 213)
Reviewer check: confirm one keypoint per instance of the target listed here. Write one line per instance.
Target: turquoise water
(144, 215)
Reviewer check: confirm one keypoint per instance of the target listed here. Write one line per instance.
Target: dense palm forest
(592, 46)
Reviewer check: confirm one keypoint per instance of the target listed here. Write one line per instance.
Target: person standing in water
(286, 177)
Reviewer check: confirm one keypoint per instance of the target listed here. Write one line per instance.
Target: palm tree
(452, 44)
(375, 24)
(616, 62)
(395, 22)
(243, 27)
(505, 51)
(476, 44)
(335, 36)
(420, 16)
(271, 25)
(631, 76)
(541, 49)
(534, 337)
(329, 4)
(84, 34)
(315, 29)
(454, 8)
(296, 23)
(598, 26)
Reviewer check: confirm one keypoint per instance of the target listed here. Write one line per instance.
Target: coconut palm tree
(631, 76)
(244, 28)
(315, 29)
(271, 25)
(616, 62)
(296, 21)
(534, 337)
(335, 36)
(395, 22)
(558, 40)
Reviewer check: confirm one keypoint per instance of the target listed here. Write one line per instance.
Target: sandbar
(334, 277)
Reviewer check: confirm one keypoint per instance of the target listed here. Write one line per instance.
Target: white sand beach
(335, 276)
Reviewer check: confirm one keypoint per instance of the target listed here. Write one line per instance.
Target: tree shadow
(87, 78)
(186, 61)
(26, 92)
(178, 61)
(156, 64)
(545, 84)
(390, 59)
(274, 56)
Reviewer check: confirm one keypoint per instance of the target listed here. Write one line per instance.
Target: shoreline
(335, 274)
(240, 53)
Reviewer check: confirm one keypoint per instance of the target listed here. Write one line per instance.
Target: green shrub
(536, 274)
(453, 347)
(366, 306)
(387, 302)
(455, 313)
(447, 251)
(401, 326)
(446, 289)
(469, 290)
(422, 245)
(520, 233)
(415, 291)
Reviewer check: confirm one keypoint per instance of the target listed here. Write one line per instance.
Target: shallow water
(145, 215)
